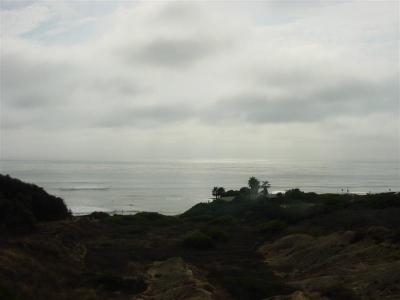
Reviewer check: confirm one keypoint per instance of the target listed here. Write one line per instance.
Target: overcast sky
(120, 81)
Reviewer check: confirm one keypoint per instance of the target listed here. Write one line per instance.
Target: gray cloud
(349, 98)
(179, 13)
(174, 52)
(117, 86)
(205, 69)
(28, 82)
(146, 116)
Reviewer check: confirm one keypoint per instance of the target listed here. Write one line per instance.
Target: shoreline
(85, 212)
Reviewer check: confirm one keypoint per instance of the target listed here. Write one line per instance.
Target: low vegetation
(272, 227)
(225, 244)
(197, 240)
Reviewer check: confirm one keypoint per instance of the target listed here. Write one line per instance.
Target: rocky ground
(353, 265)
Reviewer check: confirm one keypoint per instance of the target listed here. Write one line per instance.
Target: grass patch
(224, 220)
(217, 235)
(197, 240)
(272, 227)
(113, 283)
(248, 282)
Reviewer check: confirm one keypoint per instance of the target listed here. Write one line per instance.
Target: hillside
(296, 246)
(22, 205)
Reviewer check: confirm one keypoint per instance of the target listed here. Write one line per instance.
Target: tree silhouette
(265, 186)
(215, 192)
(254, 185)
(220, 192)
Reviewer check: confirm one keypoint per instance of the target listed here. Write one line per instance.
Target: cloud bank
(170, 79)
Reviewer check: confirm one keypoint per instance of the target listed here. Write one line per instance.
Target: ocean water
(171, 187)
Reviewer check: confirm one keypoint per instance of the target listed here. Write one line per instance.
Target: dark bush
(216, 234)
(144, 218)
(23, 204)
(294, 194)
(113, 283)
(198, 210)
(332, 202)
(231, 193)
(379, 233)
(265, 209)
(118, 219)
(272, 227)
(395, 236)
(99, 215)
(197, 240)
(153, 218)
(339, 292)
(248, 282)
(224, 220)
(44, 207)
(149, 215)
(14, 216)
(378, 201)
(244, 191)
(6, 293)
(199, 218)
(219, 208)
(359, 235)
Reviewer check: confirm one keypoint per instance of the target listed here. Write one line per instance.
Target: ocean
(171, 187)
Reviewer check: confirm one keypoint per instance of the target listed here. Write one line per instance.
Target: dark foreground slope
(22, 205)
(298, 246)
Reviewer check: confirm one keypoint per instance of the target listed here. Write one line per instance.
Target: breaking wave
(85, 188)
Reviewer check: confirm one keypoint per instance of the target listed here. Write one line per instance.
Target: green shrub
(395, 236)
(144, 218)
(15, 217)
(113, 283)
(199, 218)
(85, 294)
(379, 201)
(248, 282)
(197, 240)
(231, 193)
(118, 219)
(200, 209)
(224, 220)
(272, 227)
(216, 234)
(99, 215)
(359, 235)
(294, 194)
(149, 215)
(339, 292)
(379, 233)
(7, 294)
(332, 202)
(157, 219)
